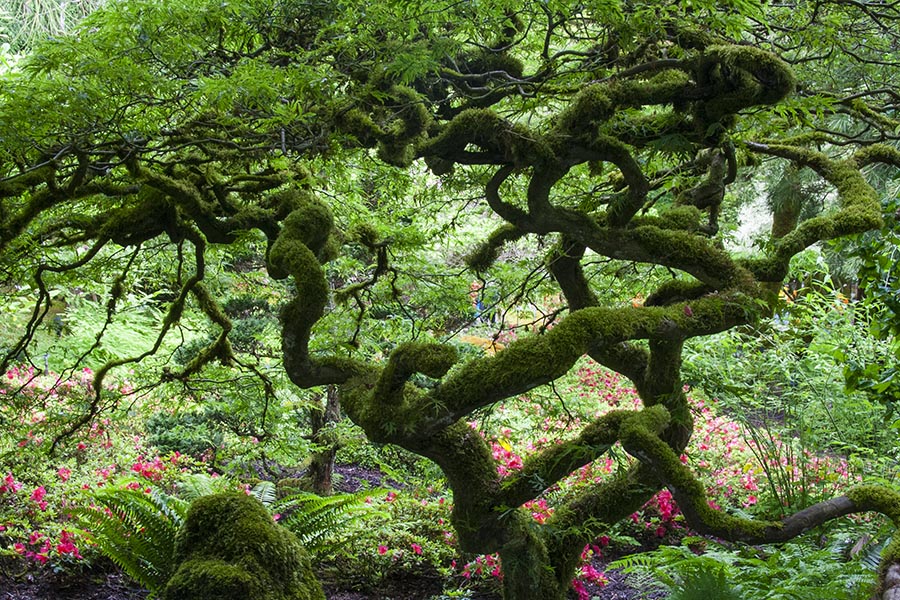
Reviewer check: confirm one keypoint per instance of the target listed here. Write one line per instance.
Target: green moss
(484, 256)
(684, 218)
(17, 185)
(639, 440)
(360, 125)
(486, 61)
(878, 498)
(590, 107)
(310, 224)
(676, 290)
(667, 87)
(212, 579)
(493, 134)
(739, 77)
(230, 548)
(433, 360)
(690, 253)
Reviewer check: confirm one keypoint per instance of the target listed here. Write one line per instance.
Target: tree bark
(321, 467)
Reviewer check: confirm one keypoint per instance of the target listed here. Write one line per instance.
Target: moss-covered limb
(877, 117)
(860, 211)
(564, 262)
(305, 233)
(527, 570)
(641, 442)
(690, 494)
(220, 349)
(671, 86)
(481, 259)
(537, 360)
(677, 290)
(860, 208)
(466, 460)
(433, 360)
(217, 225)
(631, 360)
(547, 467)
(608, 149)
(663, 386)
(543, 178)
(671, 248)
(678, 218)
(738, 77)
(405, 121)
(589, 514)
(709, 193)
(28, 180)
(501, 141)
(877, 153)
(674, 248)
(508, 212)
(40, 200)
(588, 110)
(644, 129)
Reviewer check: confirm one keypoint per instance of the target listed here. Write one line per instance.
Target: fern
(265, 492)
(194, 485)
(321, 522)
(705, 582)
(793, 571)
(136, 530)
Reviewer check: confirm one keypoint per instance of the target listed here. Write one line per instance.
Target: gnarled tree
(611, 129)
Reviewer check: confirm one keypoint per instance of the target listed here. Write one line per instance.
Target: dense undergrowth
(776, 431)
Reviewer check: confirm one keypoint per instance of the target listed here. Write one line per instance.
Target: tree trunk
(321, 467)
(527, 571)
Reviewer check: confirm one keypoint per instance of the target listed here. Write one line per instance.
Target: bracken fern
(136, 530)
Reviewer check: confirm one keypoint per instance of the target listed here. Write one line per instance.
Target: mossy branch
(534, 361)
(548, 467)
(433, 360)
(860, 206)
(640, 441)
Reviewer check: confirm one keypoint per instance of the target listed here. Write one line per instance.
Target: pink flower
(416, 548)
(382, 549)
(38, 494)
(580, 590)
(66, 546)
(19, 547)
(64, 473)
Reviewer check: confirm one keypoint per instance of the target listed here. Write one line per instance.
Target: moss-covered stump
(230, 548)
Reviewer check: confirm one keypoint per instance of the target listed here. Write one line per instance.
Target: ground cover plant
(255, 204)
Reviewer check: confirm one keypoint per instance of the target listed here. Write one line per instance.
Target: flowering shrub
(37, 495)
(410, 530)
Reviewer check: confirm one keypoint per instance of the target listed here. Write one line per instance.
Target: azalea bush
(745, 468)
(40, 488)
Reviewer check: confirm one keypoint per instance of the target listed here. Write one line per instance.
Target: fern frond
(265, 492)
(195, 485)
(321, 522)
(136, 530)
